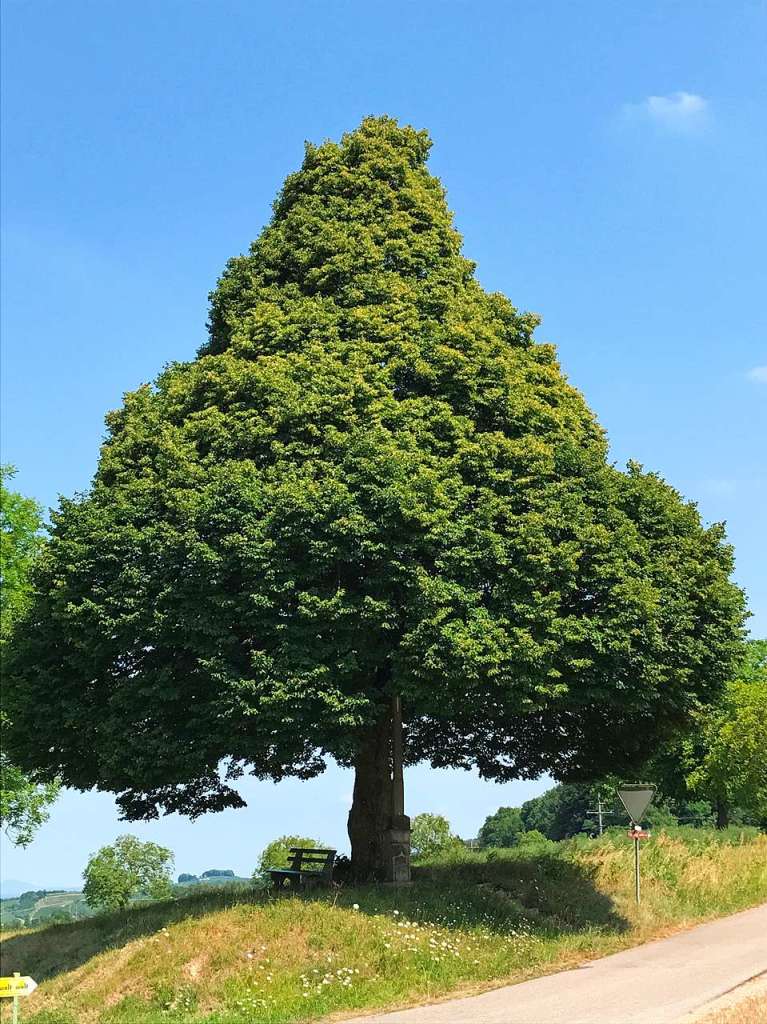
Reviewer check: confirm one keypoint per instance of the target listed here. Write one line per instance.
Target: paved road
(657, 983)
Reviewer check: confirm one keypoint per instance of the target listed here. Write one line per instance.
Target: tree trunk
(371, 811)
(722, 814)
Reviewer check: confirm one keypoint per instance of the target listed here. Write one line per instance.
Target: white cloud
(758, 373)
(677, 112)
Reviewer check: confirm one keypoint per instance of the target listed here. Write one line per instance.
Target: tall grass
(471, 920)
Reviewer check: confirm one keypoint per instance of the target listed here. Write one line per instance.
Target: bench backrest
(320, 861)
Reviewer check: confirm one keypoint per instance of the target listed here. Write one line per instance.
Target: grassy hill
(471, 920)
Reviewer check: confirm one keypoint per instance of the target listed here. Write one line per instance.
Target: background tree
(277, 853)
(502, 828)
(127, 868)
(24, 805)
(561, 812)
(728, 763)
(717, 771)
(430, 834)
(371, 482)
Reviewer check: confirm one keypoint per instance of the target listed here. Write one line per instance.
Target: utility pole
(598, 812)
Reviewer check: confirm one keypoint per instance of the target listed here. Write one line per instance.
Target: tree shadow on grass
(547, 891)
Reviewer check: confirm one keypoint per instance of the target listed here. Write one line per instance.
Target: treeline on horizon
(572, 809)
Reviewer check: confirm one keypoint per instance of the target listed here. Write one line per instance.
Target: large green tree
(564, 811)
(502, 828)
(24, 805)
(371, 481)
(728, 763)
(723, 759)
(126, 869)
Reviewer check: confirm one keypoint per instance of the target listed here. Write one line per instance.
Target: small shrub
(534, 838)
(277, 853)
(430, 835)
(342, 870)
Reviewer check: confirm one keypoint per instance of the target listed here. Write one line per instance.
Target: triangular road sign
(636, 800)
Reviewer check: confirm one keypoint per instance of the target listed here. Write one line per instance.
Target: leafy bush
(430, 834)
(534, 838)
(342, 870)
(277, 853)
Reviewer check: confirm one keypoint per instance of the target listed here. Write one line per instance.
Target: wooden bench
(306, 867)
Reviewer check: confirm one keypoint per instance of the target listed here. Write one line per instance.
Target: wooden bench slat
(301, 849)
(306, 863)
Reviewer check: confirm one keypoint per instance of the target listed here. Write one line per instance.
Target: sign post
(12, 988)
(637, 891)
(636, 800)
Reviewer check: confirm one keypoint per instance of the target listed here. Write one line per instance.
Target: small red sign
(637, 834)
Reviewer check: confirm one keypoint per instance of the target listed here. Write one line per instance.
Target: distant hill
(10, 888)
(213, 876)
(37, 906)
(189, 881)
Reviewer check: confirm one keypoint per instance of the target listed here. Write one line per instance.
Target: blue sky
(606, 165)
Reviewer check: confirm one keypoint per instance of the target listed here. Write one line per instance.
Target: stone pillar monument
(398, 834)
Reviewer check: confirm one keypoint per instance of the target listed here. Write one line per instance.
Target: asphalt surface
(658, 983)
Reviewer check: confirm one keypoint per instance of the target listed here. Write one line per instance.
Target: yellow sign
(16, 986)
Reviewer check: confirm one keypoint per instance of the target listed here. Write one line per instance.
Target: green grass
(470, 921)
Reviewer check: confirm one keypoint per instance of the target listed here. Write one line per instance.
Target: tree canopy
(371, 480)
(20, 541)
(24, 805)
